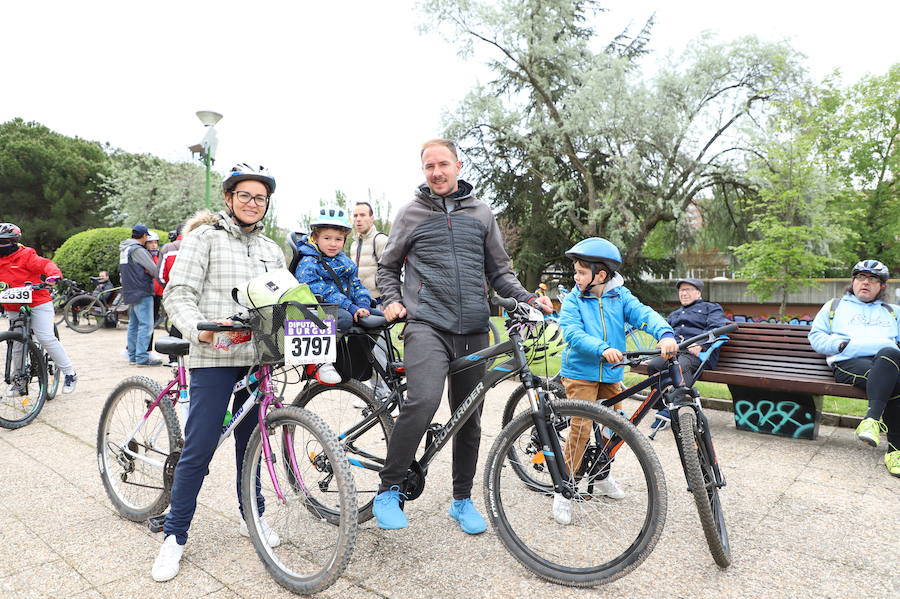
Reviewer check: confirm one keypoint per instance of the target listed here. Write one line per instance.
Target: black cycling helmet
(10, 231)
(871, 267)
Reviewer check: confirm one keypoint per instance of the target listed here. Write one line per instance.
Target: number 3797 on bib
(305, 343)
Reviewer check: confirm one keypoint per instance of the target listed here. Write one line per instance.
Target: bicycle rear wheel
(310, 552)
(54, 374)
(84, 313)
(698, 469)
(525, 456)
(338, 405)
(137, 451)
(606, 538)
(59, 308)
(23, 389)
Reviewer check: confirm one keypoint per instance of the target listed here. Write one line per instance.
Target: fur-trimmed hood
(201, 217)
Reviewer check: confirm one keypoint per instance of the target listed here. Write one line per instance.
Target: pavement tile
(51, 579)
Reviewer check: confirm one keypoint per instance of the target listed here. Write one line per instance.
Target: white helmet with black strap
(245, 172)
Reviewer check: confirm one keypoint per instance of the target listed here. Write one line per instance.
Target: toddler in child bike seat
(332, 275)
(592, 319)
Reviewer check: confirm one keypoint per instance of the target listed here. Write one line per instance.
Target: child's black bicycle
(612, 541)
(689, 425)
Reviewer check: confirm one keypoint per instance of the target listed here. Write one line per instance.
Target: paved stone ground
(807, 519)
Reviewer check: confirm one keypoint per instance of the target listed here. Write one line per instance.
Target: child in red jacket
(20, 265)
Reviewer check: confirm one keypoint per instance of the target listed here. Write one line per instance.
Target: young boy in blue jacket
(593, 318)
(332, 275)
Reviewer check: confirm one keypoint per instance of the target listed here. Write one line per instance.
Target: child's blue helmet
(332, 217)
(596, 250)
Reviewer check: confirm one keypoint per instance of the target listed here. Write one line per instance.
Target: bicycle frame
(263, 394)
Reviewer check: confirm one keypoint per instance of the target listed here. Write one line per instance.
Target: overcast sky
(329, 95)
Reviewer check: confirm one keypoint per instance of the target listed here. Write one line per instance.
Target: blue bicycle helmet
(331, 216)
(596, 250)
(871, 267)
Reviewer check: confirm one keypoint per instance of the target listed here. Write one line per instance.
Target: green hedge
(85, 254)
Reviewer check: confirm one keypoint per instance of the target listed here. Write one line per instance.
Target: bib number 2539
(305, 343)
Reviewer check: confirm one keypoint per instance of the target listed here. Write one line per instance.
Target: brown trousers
(580, 428)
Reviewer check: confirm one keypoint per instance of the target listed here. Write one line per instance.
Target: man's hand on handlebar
(394, 310)
(544, 304)
(361, 313)
(668, 347)
(695, 349)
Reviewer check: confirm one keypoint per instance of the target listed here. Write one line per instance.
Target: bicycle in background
(139, 441)
(88, 312)
(62, 293)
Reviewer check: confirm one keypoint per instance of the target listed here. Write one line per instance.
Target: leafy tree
(792, 225)
(147, 189)
(48, 182)
(577, 133)
(863, 134)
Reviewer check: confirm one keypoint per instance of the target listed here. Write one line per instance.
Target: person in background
(167, 256)
(19, 265)
(137, 271)
(859, 333)
(152, 246)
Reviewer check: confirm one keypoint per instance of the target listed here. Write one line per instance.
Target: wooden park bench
(777, 381)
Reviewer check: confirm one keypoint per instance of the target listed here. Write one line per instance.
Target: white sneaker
(168, 561)
(562, 509)
(70, 381)
(609, 487)
(327, 374)
(271, 536)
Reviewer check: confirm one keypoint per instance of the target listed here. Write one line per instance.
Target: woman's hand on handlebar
(668, 347)
(394, 310)
(207, 336)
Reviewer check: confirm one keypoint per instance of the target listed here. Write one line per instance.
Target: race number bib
(16, 295)
(305, 343)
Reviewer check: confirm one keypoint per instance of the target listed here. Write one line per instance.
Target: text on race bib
(16, 295)
(306, 343)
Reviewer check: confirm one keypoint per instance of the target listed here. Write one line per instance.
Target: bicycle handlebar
(507, 303)
(219, 327)
(708, 336)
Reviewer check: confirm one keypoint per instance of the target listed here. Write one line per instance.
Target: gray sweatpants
(427, 354)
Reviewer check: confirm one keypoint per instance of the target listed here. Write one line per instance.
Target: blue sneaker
(663, 419)
(470, 520)
(386, 510)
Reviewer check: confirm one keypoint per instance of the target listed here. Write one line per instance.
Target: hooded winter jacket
(592, 324)
(449, 246)
(214, 258)
(350, 295)
(365, 252)
(865, 326)
(136, 270)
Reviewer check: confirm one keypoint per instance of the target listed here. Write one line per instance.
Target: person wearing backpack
(367, 247)
(859, 333)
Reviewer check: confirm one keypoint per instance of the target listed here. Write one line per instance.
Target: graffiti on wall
(783, 418)
(802, 319)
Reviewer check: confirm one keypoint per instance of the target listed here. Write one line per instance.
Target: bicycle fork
(707, 448)
(550, 446)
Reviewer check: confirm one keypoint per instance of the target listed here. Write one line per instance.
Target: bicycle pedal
(155, 523)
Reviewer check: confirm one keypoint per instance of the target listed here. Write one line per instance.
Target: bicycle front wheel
(23, 389)
(526, 456)
(698, 469)
(137, 450)
(54, 374)
(302, 551)
(607, 538)
(59, 308)
(342, 407)
(84, 313)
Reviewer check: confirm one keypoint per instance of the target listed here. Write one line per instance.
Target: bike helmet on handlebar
(544, 342)
(333, 217)
(10, 231)
(871, 267)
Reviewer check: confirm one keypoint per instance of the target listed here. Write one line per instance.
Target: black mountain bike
(615, 539)
(62, 292)
(689, 425)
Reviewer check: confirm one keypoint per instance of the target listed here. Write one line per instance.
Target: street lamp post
(207, 146)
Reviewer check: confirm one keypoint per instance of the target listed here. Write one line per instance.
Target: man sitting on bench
(695, 316)
(859, 333)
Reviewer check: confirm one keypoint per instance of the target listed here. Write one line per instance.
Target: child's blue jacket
(591, 325)
(311, 271)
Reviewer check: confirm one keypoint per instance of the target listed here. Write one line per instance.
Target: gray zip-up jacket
(449, 247)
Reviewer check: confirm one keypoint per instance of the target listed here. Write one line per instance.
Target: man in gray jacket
(449, 243)
(137, 271)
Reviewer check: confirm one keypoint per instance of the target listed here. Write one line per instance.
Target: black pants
(427, 355)
(879, 376)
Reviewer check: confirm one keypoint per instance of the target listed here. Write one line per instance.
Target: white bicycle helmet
(245, 172)
(871, 267)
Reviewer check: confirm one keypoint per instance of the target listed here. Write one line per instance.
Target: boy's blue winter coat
(311, 271)
(591, 325)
